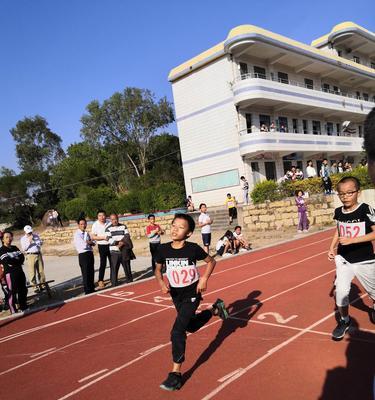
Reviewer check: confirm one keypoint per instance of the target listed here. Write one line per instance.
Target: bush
(265, 190)
(74, 207)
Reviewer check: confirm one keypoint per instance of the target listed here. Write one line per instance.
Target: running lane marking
(270, 352)
(37, 328)
(224, 378)
(161, 346)
(42, 352)
(86, 378)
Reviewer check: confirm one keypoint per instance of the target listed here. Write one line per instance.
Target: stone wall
(136, 228)
(282, 214)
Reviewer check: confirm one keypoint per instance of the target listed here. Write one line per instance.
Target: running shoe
(340, 330)
(220, 310)
(173, 382)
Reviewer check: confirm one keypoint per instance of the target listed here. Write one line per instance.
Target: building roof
(242, 33)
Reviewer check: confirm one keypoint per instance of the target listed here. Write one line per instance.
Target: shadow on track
(250, 306)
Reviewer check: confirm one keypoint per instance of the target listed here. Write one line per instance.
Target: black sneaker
(173, 382)
(372, 316)
(219, 309)
(340, 330)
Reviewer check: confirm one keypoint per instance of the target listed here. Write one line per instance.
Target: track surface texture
(275, 345)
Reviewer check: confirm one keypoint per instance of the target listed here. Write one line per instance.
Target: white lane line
(156, 348)
(140, 301)
(42, 352)
(37, 328)
(270, 352)
(224, 378)
(86, 378)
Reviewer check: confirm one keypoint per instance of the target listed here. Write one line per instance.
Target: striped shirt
(115, 233)
(32, 247)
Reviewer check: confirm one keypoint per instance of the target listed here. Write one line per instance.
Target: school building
(258, 102)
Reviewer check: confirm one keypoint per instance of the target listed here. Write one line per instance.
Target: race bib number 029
(181, 277)
(352, 230)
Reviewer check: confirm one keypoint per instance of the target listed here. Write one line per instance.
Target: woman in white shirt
(310, 170)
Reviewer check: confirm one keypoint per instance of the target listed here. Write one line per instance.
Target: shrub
(265, 190)
(74, 207)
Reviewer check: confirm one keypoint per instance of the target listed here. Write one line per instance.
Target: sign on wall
(215, 181)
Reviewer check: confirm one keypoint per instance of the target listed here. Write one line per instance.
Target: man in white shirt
(31, 245)
(205, 222)
(99, 235)
(83, 245)
(245, 190)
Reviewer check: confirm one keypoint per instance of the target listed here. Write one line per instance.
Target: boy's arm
(359, 239)
(159, 278)
(202, 284)
(334, 242)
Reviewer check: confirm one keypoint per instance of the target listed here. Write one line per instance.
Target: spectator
(340, 168)
(292, 173)
(303, 222)
(282, 129)
(120, 247)
(225, 245)
(153, 232)
(348, 167)
(98, 234)
(263, 128)
(299, 174)
(232, 210)
(272, 127)
(310, 170)
(334, 169)
(245, 190)
(31, 245)
(205, 222)
(326, 180)
(189, 204)
(363, 163)
(15, 280)
(240, 243)
(84, 245)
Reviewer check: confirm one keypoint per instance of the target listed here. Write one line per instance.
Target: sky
(57, 56)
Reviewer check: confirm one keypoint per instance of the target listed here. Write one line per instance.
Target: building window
(309, 83)
(259, 72)
(283, 77)
(336, 89)
(373, 65)
(270, 170)
(358, 95)
(243, 70)
(295, 125)
(329, 128)
(356, 59)
(316, 128)
(304, 124)
(360, 130)
(249, 122)
(283, 124)
(339, 53)
(373, 99)
(264, 120)
(255, 172)
(338, 129)
(326, 87)
(215, 181)
(365, 96)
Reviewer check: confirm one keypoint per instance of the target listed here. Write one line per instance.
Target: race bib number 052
(181, 277)
(352, 230)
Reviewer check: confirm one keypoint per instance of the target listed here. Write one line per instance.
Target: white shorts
(345, 273)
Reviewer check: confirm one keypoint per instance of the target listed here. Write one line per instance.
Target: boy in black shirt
(355, 254)
(186, 288)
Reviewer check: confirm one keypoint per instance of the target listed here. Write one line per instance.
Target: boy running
(185, 287)
(355, 255)
(205, 222)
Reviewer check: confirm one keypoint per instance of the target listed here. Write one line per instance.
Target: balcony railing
(247, 131)
(302, 85)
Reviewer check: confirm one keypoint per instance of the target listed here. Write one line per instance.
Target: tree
(37, 147)
(128, 120)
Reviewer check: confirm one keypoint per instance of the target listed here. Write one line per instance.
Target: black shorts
(206, 239)
(232, 212)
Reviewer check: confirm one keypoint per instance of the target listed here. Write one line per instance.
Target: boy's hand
(345, 241)
(164, 288)
(202, 285)
(331, 254)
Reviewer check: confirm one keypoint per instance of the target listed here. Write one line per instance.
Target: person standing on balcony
(263, 128)
(272, 127)
(324, 174)
(310, 170)
(245, 190)
(282, 129)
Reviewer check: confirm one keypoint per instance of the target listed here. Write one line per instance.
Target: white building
(255, 77)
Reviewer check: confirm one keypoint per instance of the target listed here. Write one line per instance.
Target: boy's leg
(366, 276)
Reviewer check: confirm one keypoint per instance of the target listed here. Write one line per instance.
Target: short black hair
(324, 159)
(228, 194)
(309, 161)
(237, 226)
(150, 216)
(297, 191)
(369, 134)
(353, 179)
(10, 233)
(187, 218)
(101, 212)
(242, 177)
(202, 204)
(80, 219)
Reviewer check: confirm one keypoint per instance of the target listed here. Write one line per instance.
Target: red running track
(275, 345)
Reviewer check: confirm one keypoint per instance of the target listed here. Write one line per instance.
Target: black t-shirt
(181, 268)
(353, 224)
(11, 257)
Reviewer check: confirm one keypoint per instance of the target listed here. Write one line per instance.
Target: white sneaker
(226, 255)
(299, 231)
(305, 230)
(243, 250)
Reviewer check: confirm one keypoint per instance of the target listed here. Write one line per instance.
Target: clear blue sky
(57, 56)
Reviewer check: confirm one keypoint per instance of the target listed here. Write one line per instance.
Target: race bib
(352, 229)
(181, 275)
(230, 204)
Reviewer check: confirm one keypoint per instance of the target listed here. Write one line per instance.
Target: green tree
(128, 120)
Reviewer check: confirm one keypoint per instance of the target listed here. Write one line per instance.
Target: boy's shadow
(244, 309)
